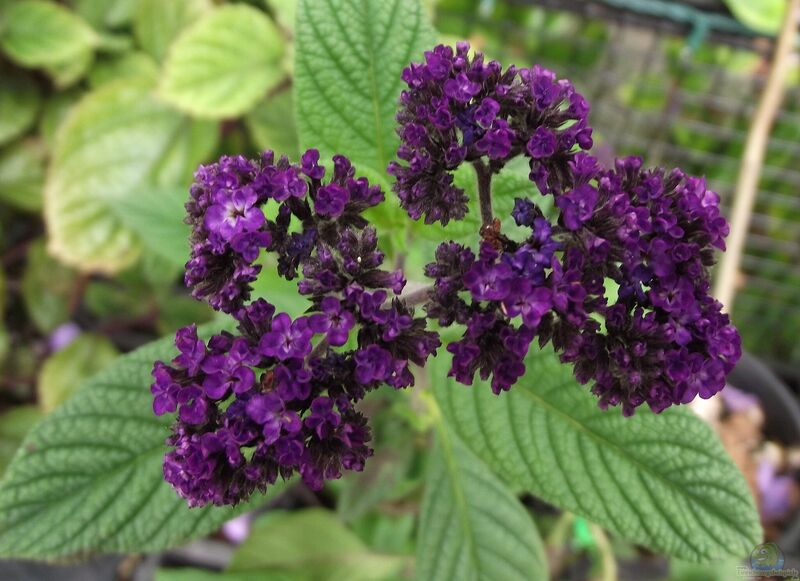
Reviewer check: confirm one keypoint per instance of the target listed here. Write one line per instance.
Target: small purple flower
(542, 143)
(331, 200)
(192, 350)
(287, 339)
(322, 420)
(373, 363)
(234, 215)
(461, 88)
(334, 320)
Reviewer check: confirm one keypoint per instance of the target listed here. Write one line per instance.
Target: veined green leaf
(349, 55)
(224, 63)
(118, 140)
(472, 527)
(663, 481)
(88, 478)
(39, 33)
(156, 24)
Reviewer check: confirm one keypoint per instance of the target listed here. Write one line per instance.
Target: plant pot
(782, 422)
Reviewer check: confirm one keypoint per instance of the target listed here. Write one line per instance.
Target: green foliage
(14, 424)
(64, 371)
(763, 16)
(311, 545)
(663, 481)
(39, 33)
(271, 124)
(20, 101)
(88, 478)
(348, 59)
(22, 174)
(224, 63)
(156, 215)
(472, 527)
(47, 287)
(119, 141)
(156, 23)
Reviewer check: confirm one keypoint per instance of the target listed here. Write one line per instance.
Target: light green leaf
(22, 174)
(349, 55)
(156, 23)
(129, 65)
(20, 100)
(117, 141)
(65, 74)
(64, 371)
(271, 125)
(88, 478)
(283, 11)
(157, 217)
(224, 63)
(663, 481)
(314, 544)
(47, 287)
(192, 574)
(472, 527)
(54, 112)
(763, 16)
(105, 13)
(14, 424)
(39, 33)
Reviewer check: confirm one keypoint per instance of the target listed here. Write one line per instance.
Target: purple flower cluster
(462, 109)
(651, 233)
(663, 340)
(279, 396)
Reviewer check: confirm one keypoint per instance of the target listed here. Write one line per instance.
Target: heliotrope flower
(259, 404)
(459, 108)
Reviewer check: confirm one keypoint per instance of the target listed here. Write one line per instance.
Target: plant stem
(753, 157)
(484, 191)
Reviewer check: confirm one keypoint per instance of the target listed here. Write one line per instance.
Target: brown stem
(484, 191)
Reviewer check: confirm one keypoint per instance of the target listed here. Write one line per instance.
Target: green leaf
(118, 141)
(47, 288)
(38, 33)
(157, 217)
(313, 544)
(20, 100)
(284, 12)
(88, 478)
(105, 13)
(67, 73)
(471, 525)
(64, 371)
(192, 574)
(156, 23)
(663, 481)
(271, 125)
(54, 112)
(22, 175)
(224, 63)
(349, 55)
(14, 424)
(763, 16)
(129, 65)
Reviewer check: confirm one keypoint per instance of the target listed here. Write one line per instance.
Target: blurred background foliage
(107, 106)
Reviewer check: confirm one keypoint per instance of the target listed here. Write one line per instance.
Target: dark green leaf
(88, 478)
(663, 481)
